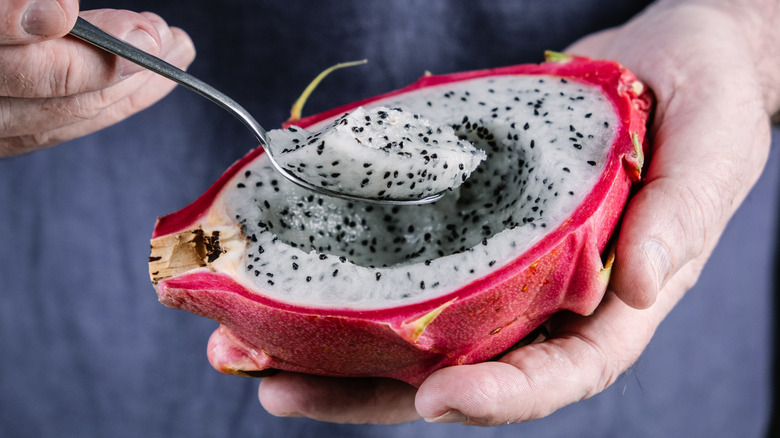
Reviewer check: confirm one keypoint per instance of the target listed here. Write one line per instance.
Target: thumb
(28, 21)
(705, 160)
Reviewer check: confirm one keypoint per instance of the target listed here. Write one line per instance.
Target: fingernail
(660, 260)
(451, 416)
(44, 17)
(291, 414)
(141, 40)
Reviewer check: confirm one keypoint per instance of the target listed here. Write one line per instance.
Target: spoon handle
(93, 35)
(88, 32)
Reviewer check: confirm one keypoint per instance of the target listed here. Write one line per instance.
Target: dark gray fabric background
(87, 351)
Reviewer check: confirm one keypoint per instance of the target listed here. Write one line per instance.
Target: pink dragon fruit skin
(473, 322)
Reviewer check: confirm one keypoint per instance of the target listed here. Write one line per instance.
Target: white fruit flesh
(546, 141)
(379, 152)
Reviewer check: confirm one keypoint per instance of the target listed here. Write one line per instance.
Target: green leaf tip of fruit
(297, 108)
(640, 154)
(559, 57)
(412, 330)
(608, 262)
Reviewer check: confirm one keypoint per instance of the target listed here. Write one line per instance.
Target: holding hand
(57, 88)
(714, 68)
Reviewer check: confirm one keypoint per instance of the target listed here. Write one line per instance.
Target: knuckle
(480, 399)
(68, 76)
(607, 370)
(600, 364)
(16, 83)
(10, 147)
(706, 204)
(5, 117)
(43, 70)
(13, 146)
(699, 207)
(79, 107)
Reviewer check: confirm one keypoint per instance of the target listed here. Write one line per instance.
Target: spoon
(90, 33)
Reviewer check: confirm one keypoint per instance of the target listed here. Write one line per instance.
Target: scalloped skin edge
(473, 324)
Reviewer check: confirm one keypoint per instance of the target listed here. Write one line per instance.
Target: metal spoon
(93, 35)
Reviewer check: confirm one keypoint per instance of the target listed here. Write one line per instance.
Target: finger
(52, 121)
(583, 357)
(68, 66)
(21, 116)
(31, 21)
(338, 400)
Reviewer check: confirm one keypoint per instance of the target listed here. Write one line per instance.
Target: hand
(58, 88)
(714, 69)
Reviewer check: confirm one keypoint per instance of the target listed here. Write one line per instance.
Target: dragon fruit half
(312, 284)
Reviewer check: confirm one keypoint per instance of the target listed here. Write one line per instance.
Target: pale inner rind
(546, 141)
